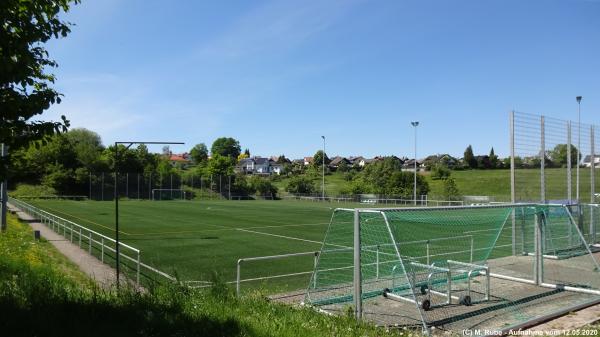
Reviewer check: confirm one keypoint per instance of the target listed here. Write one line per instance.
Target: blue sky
(276, 75)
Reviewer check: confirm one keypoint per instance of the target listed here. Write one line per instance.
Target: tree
(25, 86)
(559, 155)
(220, 165)
(469, 157)
(87, 146)
(493, 159)
(450, 190)
(318, 159)
(226, 147)
(247, 152)
(199, 153)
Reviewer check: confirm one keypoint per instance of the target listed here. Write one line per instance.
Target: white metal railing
(239, 280)
(83, 236)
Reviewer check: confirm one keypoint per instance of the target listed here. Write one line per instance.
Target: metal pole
(357, 274)
(90, 186)
(127, 185)
(537, 249)
(323, 183)
(138, 186)
(3, 192)
(543, 160)
(117, 257)
(237, 283)
(569, 164)
(578, 98)
(415, 124)
(229, 188)
(150, 187)
(513, 193)
(171, 178)
(592, 165)
(102, 188)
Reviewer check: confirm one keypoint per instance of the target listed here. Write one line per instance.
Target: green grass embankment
(42, 294)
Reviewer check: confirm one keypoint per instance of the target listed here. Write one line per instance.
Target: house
(308, 160)
(587, 162)
(336, 161)
(409, 165)
(355, 160)
(182, 159)
(259, 165)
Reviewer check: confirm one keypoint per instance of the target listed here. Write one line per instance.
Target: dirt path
(102, 273)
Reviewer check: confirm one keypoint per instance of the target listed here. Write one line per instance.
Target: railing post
(472, 244)
(71, 233)
(543, 160)
(90, 243)
(428, 256)
(377, 264)
(102, 254)
(357, 271)
(79, 237)
(316, 262)
(237, 283)
(137, 277)
(592, 166)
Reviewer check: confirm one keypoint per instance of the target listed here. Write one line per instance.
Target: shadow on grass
(66, 318)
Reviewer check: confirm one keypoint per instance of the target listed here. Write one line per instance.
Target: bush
(451, 190)
(262, 186)
(25, 190)
(440, 172)
(300, 185)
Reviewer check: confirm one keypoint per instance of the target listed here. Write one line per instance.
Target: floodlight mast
(415, 124)
(116, 195)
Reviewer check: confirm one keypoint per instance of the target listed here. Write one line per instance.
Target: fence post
(237, 283)
(377, 264)
(472, 246)
(592, 165)
(427, 248)
(90, 185)
(138, 186)
(513, 193)
(569, 164)
(137, 277)
(543, 160)
(127, 185)
(150, 187)
(71, 233)
(79, 237)
(90, 243)
(102, 187)
(315, 263)
(357, 274)
(102, 258)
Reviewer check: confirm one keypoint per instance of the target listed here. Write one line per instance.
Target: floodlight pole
(116, 195)
(578, 98)
(323, 183)
(415, 124)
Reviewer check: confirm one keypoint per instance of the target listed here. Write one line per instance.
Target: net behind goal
(168, 194)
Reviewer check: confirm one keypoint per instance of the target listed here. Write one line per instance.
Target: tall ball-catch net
(482, 267)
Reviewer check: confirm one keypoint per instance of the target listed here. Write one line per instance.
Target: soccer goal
(168, 194)
(454, 268)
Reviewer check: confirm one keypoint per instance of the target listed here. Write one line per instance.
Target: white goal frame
(181, 190)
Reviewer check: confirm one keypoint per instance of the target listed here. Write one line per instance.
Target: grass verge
(42, 294)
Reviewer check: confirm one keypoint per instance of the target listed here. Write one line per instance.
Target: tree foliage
(300, 184)
(451, 190)
(226, 147)
(199, 153)
(559, 155)
(25, 84)
(469, 157)
(318, 159)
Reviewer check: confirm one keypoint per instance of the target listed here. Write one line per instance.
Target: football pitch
(193, 239)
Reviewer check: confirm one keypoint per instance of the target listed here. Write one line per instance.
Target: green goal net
(453, 268)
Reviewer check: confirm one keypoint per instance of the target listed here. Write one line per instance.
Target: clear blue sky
(278, 75)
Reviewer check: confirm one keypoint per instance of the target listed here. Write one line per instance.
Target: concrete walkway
(102, 273)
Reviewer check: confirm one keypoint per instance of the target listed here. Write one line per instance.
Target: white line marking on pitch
(279, 236)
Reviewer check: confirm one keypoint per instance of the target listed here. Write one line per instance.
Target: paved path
(102, 273)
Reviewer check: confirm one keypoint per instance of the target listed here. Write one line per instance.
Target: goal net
(487, 267)
(168, 194)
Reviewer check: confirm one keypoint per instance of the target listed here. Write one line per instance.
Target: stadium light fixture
(116, 194)
(578, 98)
(323, 183)
(415, 124)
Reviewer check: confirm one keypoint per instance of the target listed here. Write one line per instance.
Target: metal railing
(84, 237)
(239, 280)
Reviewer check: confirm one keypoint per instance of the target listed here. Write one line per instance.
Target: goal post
(453, 267)
(168, 194)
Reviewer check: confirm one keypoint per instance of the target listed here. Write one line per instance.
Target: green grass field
(194, 238)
